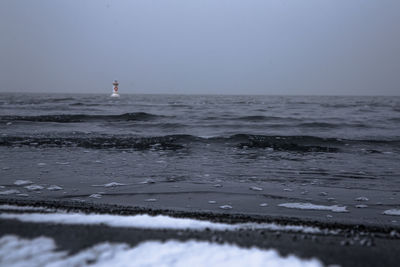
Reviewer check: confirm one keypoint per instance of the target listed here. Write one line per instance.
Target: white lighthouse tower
(115, 89)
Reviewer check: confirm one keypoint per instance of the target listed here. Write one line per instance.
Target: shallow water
(302, 144)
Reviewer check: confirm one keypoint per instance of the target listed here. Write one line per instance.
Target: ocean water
(325, 141)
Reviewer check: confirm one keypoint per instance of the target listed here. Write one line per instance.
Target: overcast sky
(331, 47)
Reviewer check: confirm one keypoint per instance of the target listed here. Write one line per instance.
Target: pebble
(217, 185)
(41, 164)
(212, 201)
(361, 206)
(323, 194)
(150, 200)
(263, 204)
(225, 207)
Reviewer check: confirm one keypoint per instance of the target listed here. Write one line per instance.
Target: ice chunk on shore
(23, 182)
(310, 206)
(256, 188)
(150, 200)
(263, 204)
(225, 207)
(42, 251)
(212, 201)
(9, 192)
(34, 187)
(54, 188)
(395, 212)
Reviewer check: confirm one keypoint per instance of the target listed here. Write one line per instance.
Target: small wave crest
(68, 118)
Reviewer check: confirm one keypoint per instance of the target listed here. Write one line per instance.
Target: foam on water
(9, 192)
(23, 182)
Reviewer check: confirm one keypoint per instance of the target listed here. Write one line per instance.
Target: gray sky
(201, 46)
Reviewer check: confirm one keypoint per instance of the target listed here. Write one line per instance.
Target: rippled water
(332, 141)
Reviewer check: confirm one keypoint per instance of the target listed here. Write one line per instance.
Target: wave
(68, 118)
(180, 141)
(241, 141)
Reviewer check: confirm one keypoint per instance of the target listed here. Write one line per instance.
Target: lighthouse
(115, 89)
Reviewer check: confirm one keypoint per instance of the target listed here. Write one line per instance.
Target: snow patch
(310, 206)
(392, 212)
(41, 251)
(145, 221)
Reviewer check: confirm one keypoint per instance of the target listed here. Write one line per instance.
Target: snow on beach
(41, 251)
(395, 212)
(145, 221)
(310, 206)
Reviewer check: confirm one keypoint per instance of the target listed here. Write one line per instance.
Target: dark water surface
(320, 150)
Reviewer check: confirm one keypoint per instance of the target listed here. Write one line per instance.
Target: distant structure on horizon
(115, 89)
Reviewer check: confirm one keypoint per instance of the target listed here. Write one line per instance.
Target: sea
(322, 150)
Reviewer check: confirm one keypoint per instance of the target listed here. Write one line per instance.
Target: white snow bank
(152, 222)
(15, 251)
(392, 212)
(310, 206)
